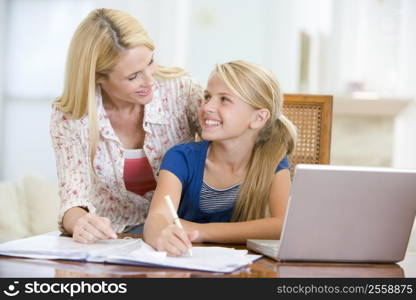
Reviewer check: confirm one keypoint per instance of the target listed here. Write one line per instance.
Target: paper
(215, 259)
(127, 251)
(57, 247)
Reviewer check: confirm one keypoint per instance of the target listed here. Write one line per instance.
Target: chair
(312, 115)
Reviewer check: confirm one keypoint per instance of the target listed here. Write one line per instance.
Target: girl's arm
(159, 230)
(239, 232)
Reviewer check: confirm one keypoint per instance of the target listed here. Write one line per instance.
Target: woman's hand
(175, 241)
(90, 228)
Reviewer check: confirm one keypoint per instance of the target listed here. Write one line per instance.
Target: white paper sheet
(215, 259)
(127, 251)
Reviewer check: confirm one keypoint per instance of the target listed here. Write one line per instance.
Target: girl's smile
(224, 115)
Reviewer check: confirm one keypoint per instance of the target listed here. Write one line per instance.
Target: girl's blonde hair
(259, 88)
(93, 52)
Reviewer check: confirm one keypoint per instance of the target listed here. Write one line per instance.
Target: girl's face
(131, 79)
(223, 115)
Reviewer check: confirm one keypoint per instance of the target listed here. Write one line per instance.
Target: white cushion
(13, 212)
(42, 202)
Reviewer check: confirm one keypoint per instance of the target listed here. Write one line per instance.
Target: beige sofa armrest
(42, 202)
(13, 212)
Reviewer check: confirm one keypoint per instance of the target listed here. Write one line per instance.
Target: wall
(28, 147)
(373, 52)
(265, 32)
(220, 32)
(404, 150)
(366, 45)
(2, 100)
(362, 140)
(34, 68)
(405, 127)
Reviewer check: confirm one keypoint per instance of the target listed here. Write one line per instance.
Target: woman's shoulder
(57, 116)
(61, 122)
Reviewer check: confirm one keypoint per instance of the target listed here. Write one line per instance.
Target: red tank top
(138, 175)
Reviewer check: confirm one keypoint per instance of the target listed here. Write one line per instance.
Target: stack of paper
(215, 259)
(127, 251)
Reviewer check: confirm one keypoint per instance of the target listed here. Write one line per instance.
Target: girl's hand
(175, 241)
(90, 228)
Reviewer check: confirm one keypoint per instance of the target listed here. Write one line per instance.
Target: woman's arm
(71, 217)
(239, 232)
(76, 214)
(87, 227)
(159, 230)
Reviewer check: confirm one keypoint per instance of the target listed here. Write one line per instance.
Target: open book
(127, 251)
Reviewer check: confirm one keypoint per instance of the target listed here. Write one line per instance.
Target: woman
(235, 184)
(118, 114)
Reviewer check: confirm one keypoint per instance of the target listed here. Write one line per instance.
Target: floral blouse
(169, 119)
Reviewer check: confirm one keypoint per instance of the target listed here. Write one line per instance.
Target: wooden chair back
(312, 115)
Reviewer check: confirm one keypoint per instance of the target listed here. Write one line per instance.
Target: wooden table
(262, 268)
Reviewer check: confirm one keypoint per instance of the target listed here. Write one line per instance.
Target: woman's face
(131, 80)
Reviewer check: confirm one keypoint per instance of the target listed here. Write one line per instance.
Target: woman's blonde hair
(93, 52)
(259, 88)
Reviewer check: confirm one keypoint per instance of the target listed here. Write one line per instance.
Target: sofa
(28, 207)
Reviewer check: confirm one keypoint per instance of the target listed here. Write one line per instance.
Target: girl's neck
(230, 154)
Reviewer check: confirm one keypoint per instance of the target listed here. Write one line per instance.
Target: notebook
(127, 252)
(345, 214)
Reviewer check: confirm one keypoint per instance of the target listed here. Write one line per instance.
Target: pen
(175, 216)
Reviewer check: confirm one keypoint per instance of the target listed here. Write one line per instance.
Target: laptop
(345, 214)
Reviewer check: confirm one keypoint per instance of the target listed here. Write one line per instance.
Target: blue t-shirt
(187, 162)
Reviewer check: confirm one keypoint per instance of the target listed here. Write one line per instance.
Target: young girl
(234, 184)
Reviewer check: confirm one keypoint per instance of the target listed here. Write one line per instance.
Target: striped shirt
(213, 200)
(187, 163)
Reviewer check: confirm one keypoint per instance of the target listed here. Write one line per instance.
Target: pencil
(175, 216)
